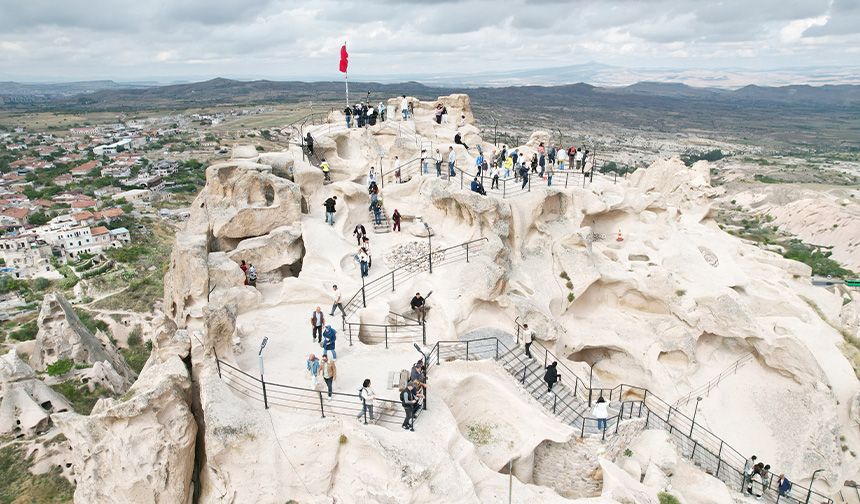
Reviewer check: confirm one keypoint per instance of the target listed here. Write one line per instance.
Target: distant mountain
(814, 115)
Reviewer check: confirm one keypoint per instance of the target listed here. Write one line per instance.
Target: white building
(27, 257)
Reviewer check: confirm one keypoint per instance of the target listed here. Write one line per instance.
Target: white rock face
(139, 448)
(269, 253)
(62, 336)
(26, 403)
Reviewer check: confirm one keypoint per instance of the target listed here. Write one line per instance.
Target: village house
(27, 257)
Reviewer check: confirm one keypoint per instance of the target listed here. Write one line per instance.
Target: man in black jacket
(330, 210)
(408, 400)
(419, 307)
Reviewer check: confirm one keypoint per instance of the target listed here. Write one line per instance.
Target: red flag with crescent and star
(344, 58)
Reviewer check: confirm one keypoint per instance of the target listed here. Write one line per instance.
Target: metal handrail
(713, 382)
(413, 267)
(655, 410)
(305, 399)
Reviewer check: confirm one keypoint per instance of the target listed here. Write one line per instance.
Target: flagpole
(346, 82)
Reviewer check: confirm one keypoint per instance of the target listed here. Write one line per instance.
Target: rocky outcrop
(244, 202)
(26, 403)
(185, 289)
(278, 253)
(140, 447)
(62, 335)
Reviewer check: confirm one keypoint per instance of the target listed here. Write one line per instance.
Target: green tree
(38, 219)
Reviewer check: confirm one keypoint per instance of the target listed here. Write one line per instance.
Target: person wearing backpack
(367, 396)
(551, 376)
(252, 276)
(328, 342)
(601, 413)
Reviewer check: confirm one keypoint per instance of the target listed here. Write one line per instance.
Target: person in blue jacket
(329, 337)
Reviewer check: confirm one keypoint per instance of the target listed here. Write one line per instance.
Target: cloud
(132, 40)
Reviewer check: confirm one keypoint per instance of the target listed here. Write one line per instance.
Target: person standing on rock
(381, 112)
(397, 170)
(561, 157)
(423, 162)
(337, 302)
(347, 113)
(551, 377)
(479, 165)
(326, 169)
(404, 108)
(244, 268)
(551, 155)
(749, 467)
(438, 113)
(419, 306)
(309, 142)
(362, 262)
(367, 396)
(377, 211)
(452, 161)
(395, 217)
(252, 276)
(494, 174)
(330, 210)
(408, 400)
(524, 175)
(509, 165)
(313, 367)
(371, 176)
(328, 343)
(542, 164)
(438, 159)
(359, 232)
(528, 339)
(601, 413)
(317, 323)
(549, 173)
(328, 370)
(585, 162)
(365, 244)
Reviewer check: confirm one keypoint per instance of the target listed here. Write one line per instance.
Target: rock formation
(26, 403)
(62, 335)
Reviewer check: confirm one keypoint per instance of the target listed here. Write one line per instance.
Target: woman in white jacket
(601, 412)
(367, 396)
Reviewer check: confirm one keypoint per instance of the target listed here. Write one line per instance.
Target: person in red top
(244, 268)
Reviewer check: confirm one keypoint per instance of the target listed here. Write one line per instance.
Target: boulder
(62, 335)
(26, 403)
(224, 272)
(139, 448)
(621, 487)
(243, 202)
(245, 152)
(274, 252)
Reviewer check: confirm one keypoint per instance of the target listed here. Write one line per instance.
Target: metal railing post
(497, 348)
(719, 460)
(461, 179)
(467, 251)
(322, 408)
(530, 183)
(218, 365)
(504, 186)
(424, 334)
(363, 298)
(524, 373)
(265, 396)
(350, 334)
(386, 337)
(545, 356)
(554, 399)
(392, 281)
(467, 349)
(693, 453)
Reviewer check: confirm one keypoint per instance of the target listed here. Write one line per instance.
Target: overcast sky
(280, 39)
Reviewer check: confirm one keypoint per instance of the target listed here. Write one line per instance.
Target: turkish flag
(344, 58)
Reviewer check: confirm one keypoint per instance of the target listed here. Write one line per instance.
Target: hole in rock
(304, 204)
(269, 194)
(47, 406)
(673, 358)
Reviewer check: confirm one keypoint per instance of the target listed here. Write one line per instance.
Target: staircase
(563, 403)
(384, 225)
